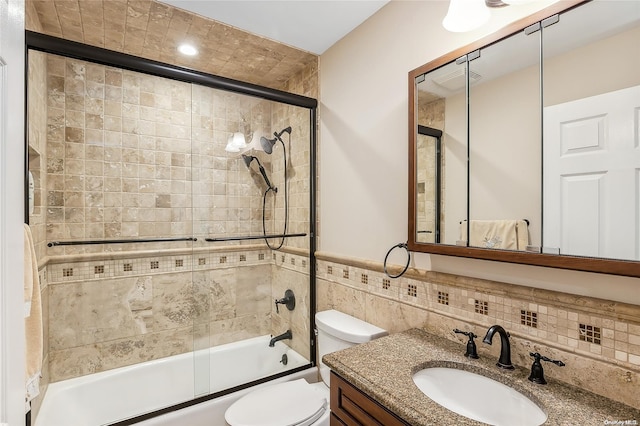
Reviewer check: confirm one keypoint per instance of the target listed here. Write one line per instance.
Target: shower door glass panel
(240, 194)
(152, 222)
(110, 153)
(505, 158)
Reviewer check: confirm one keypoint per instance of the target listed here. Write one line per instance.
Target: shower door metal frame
(57, 46)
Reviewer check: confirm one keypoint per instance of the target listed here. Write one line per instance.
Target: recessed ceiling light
(187, 49)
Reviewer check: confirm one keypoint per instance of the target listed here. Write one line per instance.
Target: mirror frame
(588, 264)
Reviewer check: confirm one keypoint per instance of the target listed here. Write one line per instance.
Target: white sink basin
(478, 397)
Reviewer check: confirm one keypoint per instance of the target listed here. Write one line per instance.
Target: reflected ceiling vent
(456, 80)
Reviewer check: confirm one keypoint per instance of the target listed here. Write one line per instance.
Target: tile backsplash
(598, 339)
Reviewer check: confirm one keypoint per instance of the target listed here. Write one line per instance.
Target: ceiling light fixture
(187, 49)
(465, 15)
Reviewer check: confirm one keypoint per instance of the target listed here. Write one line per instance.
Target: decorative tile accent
(443, 298)
(293, 260)
(329, 270)
(364, 279)
(260, 256)
(412, 290)
(386, 283)
(481, 307)
(179, 263)
(345, 273)
(98, 269)
(589, 333)
(563, 324)
(223, 259)
(304, 263)
(155, 264)
(67, 272)
(243, 257)
(202, 261)
(528, 318)
(127, 267)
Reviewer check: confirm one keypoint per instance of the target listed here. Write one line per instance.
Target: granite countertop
(383, 369)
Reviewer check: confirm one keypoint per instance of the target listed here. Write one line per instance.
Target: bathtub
(110, 396)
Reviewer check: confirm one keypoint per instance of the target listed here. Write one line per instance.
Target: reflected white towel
(522, 228)
(33, 318)
(498, 234)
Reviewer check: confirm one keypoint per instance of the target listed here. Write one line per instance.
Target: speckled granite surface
(383, 369)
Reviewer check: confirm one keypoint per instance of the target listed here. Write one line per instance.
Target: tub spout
(286, 335)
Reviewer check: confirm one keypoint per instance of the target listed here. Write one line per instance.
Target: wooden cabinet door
(351, 407)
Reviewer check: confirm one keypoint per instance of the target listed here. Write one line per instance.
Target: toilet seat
(285, 404)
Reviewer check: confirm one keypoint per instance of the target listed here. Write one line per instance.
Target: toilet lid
(285, 404)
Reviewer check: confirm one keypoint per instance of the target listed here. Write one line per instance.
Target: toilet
(298, 402)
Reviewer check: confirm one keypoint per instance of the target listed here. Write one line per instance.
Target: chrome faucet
(505, 350)
(286, 335)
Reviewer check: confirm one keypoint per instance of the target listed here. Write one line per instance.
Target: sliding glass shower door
(171, 217)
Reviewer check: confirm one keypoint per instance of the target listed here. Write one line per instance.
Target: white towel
(522, 228)
(497, 234)
(33, 318)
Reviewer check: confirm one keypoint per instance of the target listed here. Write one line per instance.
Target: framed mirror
(509, 188)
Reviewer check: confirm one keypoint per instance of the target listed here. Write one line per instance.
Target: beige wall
(363, 147)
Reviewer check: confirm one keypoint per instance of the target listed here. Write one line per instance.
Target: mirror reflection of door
(591, 185)
(428, 177)
(592, 161)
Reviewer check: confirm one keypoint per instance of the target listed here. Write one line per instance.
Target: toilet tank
(337, 330)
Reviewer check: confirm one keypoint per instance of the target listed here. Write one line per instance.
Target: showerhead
(248, 159)
(267, 144)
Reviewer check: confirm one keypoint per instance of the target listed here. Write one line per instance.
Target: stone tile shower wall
(134, 156)
(120, 157)
(598, 340)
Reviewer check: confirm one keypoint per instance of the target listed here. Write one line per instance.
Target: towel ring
(399, 245)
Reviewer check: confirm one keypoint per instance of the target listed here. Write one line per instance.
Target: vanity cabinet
(351, 407)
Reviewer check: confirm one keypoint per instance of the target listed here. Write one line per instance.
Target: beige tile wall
(106, 313)
(37, 136)
(126, 152)
(599, 340)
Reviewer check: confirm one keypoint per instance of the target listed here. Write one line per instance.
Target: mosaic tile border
(151, 264)
(601, 337)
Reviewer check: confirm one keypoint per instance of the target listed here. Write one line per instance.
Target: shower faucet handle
(289, 300)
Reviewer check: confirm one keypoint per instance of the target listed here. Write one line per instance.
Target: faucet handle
(471, 345)
(537, 372)
(289, 300)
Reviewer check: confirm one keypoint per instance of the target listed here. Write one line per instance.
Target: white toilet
(298, 402)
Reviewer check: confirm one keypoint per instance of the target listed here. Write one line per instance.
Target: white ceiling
(311, 25)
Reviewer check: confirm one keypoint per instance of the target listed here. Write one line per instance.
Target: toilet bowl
(298, 402)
